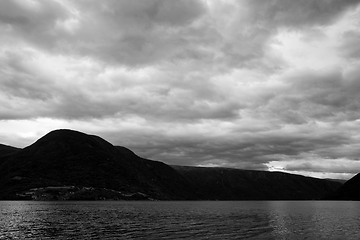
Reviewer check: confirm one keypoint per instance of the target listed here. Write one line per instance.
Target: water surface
(180, 220)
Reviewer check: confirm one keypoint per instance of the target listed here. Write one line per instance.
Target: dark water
(180, 220)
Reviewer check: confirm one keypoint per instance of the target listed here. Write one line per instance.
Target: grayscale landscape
(179, 119)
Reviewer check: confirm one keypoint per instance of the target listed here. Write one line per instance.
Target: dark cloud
(19, 79)
(125, 32)
(31, 16)
(33, 21)
(324, 95)
(349, 45)
(298, 13)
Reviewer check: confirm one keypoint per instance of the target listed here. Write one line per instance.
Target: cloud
(137, 33)
(80, 88)
(125, 32)
(31, 21)
(349, 46)
(246, 84)
(298, 13)
(339, 166)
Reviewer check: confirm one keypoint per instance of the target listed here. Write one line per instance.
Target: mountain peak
(348, 191)
(66, 139)
(65, 134)
(65, 161)
(70, 158)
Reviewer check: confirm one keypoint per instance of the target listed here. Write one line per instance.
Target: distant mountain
(342, 181)
(70, 165)
(348, 191)
(236, 184)
(70, 158)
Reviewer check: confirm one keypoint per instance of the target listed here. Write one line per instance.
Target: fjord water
(180, 220)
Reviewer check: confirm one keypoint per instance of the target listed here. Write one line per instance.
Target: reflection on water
(174, 220)
(316, 219)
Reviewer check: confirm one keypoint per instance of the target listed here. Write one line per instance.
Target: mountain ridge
(6, 149)
(67, 164)
(348, 191)
(71, 158)
(231, 184)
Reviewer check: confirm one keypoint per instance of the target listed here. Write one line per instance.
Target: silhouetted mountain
(5, 149)
(236, 184)
(348, 191)
(70, 165)
(70, 158)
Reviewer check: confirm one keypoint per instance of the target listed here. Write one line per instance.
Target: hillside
(348, 191)
(70, 165)
(70, 158)
(5, 149)
(236, 184)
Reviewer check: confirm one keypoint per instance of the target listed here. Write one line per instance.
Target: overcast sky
(252, 84)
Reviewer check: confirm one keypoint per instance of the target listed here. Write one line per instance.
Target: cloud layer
(247, 84)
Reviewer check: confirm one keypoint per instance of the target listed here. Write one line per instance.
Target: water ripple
(179, 220)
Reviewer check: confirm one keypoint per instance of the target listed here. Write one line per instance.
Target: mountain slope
(236, 184)
(350, 190)
(70, 165)
(70, 158)
(5, 149)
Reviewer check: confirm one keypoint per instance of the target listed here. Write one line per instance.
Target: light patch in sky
(304, 50)
(338, 168)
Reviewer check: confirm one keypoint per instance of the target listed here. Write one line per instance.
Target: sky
(251, 84)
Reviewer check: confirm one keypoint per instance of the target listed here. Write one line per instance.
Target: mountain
(5, 149)
(70, 165)
(348, 191)
(69, 158)
(342, 181)
(236, 184)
